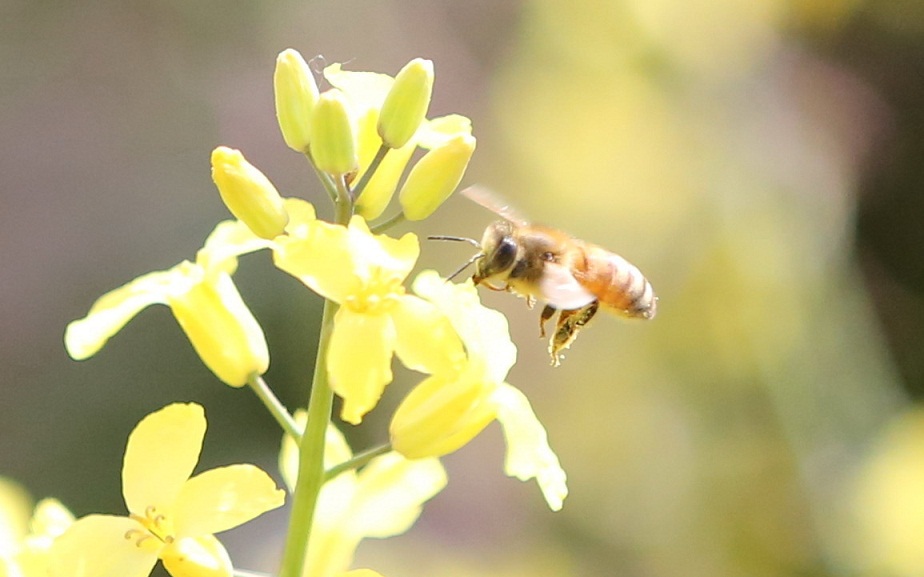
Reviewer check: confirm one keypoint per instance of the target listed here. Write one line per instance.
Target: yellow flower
(203, 299)
(172, 516)
(889, 501)
(383, 499)
(435, 176)
(445, 412)
(364, 273)
(296, 93)
(367, 92)
(332, 133)
(406, 104)
(247, 193)
(25, 544)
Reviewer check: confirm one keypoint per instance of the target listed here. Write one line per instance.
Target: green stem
(373, 166)
(357, 461)
(387, 224)
(343, 203)
(276, 409)
(325, 179)
(311, 456)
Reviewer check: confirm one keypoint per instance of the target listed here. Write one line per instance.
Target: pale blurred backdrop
(761, 160)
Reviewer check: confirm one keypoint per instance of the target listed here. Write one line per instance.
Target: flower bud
(296, 94)
(220, 327)
(441, 415)
(435, 176)
(406, 104)
(248, 194)
(332, 136)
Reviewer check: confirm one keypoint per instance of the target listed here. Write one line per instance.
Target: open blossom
(377, 319)
(172, 516)
(444, 412)
(203, 299)
(382, 499)
(26, 542)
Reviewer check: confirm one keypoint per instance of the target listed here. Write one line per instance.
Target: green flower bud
(435, 176)
(296, 94)
(333, 147)
(248, 194)
(406, 104)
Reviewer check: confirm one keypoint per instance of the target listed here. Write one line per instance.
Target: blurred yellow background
(759, 160)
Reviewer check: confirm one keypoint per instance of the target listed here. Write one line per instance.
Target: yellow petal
(301, 216)
(484, 331)
(84, 337)
(220, 327)
(222, 498)
(426, 340)
(528, 453)
(321, 258)
(229, 240)
(442, 414)
(436, 132)
(378, 192)
(391, 493)
(361, 573)
(296, 92)
(50, 518)
(203, 556)
(162, 452)
(96, 546)
(364, 89)
(15, 508)
(359, 361)
(381, 187)
(336, 451)
(888, 502)
(395, 255)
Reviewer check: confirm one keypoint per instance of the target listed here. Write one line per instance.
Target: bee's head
(499, 248)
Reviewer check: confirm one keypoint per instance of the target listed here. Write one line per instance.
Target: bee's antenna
(470, 241)
(465, 266)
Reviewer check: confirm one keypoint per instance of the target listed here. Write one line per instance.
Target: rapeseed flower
(25, 542)
(444, 411)
(377, 319)
(382, 499)
(204, 301)
(172, 516)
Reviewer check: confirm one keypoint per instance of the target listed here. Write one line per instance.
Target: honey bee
(572, 277)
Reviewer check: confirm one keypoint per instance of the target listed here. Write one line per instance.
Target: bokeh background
(762, 161)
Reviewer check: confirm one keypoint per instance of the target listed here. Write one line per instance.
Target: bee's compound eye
(505, 253)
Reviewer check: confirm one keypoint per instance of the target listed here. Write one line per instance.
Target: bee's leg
(547, 312)
(566, 330)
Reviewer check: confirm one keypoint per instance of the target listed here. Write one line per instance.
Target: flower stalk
(311, 451)
(274, 406)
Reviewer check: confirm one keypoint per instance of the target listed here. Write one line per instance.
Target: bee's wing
(561, 290)
(494, 202)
